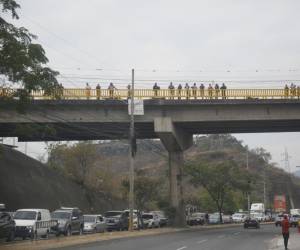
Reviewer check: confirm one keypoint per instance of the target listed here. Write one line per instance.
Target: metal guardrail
(67, 93)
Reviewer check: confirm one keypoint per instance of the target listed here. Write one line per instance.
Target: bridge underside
(116, 131)
(51, 120)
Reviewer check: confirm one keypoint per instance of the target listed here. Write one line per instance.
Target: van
(32, 223)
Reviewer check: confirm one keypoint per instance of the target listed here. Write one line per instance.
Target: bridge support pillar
(175, 141)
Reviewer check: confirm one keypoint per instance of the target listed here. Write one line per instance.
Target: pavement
(233, 237)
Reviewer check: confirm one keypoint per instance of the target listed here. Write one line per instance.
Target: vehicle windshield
(25, 215)
(237, 215)
(147, 216)
(112, 214)
(214, 216)
(89, 218)
(60, 215)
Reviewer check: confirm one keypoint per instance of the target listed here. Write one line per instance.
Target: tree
(146, 190)
(22, 61)
(76, 161)
(219, 180)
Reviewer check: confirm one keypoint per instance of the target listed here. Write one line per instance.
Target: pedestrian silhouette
(285, 225)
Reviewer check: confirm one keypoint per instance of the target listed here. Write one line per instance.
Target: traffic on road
(37, 224)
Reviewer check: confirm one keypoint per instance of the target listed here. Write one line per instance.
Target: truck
(257, 211)
(295, 211)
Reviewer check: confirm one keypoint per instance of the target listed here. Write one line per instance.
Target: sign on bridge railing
(138, 106)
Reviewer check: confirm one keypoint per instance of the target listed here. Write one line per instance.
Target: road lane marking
(221, 236)
(181, 248)
(236, 233)
(201, 241)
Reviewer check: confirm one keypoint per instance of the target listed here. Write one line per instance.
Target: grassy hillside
(25, 183)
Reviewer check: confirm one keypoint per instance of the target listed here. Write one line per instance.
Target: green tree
(75, 161)
(219, 180)
(21, 60)
(146, 191)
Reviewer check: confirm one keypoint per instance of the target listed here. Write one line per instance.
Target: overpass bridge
(171, 119)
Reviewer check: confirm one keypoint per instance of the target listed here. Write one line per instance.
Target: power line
(61, 38)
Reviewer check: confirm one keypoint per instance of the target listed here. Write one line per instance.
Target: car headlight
(29, 228)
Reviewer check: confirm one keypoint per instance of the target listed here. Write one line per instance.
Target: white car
(27, 220)
(150, 220)
(259, 216)
(94, 223)
(239, 217)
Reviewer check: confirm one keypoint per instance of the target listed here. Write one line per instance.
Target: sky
(247, 44)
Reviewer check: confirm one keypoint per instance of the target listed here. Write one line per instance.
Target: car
(251, 222)
(239, 217)
(259, 216)
(7, 225)
(94, 223)
(27, 221)
(294, 220)
(137, 218)
(116, 220)
(163, 220)
(214, 218)
(196, 219)
(70, 221)
(150, 220)
(278, 220)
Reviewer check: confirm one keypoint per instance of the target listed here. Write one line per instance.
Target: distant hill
(153, 158)
(27, 183)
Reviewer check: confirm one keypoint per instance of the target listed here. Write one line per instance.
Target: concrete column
(175, 141)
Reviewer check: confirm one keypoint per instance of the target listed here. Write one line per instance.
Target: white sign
(138, 107)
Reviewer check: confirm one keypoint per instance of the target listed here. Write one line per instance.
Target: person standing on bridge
(202, 87)
(285, 225)
(111, 89)
(286, 91)
(194, 91)
(155, 89)
(87, 91)
(179, 89)
(292, 90)
(217, 90)
(223, 91)
(98, 91)
(128, 91)
(187, 91)
(171, 90)
(210, 91)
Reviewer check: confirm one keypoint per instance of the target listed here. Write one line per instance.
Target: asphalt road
(267, 237)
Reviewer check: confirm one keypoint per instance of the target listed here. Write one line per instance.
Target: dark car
(251, 222)
(196, 219)
(116, 220)
(7, 226)
(70, 221)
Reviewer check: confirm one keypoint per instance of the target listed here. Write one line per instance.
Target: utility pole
(248, 194)
(288, 169)
(131, 155)
(264, 185)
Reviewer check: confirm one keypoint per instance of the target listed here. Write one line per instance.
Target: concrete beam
(175, 141)
(173, 138)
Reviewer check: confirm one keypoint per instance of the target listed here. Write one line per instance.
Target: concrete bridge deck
(109, 119)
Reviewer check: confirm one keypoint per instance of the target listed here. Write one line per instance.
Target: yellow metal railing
(159, 94)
